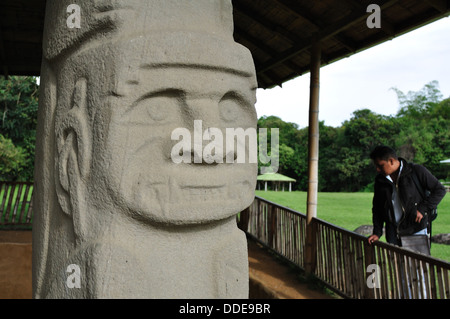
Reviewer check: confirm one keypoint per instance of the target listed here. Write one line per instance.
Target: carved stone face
(136, 159)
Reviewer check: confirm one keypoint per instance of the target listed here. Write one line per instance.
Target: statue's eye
(230, 107)
(160, 108)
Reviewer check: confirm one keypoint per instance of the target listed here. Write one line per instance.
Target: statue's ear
(73, 144)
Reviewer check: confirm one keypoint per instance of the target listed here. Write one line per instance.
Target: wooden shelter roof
(278, 32)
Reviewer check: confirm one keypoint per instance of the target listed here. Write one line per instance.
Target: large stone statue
(115, 215)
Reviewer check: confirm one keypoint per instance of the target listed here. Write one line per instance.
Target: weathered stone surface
(365, 230)
(441, 239)
(109, 198)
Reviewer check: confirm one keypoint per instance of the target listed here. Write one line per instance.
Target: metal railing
(344, 260)
(16, 204)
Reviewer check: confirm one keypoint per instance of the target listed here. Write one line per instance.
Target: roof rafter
(273, 28)
(440, 5)
(304, 14)
(4, 62)
(264, 48)
(277, 32)
(324, 34)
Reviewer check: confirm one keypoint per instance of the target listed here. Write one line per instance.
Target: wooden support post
(313, 155)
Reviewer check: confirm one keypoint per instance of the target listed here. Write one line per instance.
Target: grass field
(351, 210)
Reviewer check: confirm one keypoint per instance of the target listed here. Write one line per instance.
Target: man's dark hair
(383, 152)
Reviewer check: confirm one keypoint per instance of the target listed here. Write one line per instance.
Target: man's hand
(373, 239)
(419, 217)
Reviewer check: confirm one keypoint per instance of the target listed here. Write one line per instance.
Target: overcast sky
(364, 80)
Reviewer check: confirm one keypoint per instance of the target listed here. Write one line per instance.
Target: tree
(12, 159)
(289, 160)
(288, 131)
(330, 144)
(18, 111)
(417, 104)
(425, 136)
(360, 135)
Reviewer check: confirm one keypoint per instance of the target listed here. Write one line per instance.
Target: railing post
(272, 226)
(313, 155)
(243, 219)
(369, 259)
(310, 247)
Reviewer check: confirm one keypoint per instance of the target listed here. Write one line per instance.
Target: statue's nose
(206, 111)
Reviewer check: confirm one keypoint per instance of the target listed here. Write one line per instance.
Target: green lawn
(351, 210)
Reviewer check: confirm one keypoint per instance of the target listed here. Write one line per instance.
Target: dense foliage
(419, 132)
(18, 117)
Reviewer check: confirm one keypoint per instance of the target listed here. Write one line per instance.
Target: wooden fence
(16, 204)
(344, 260)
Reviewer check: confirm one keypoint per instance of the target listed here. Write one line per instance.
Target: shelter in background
(277, 180)
(447, 182)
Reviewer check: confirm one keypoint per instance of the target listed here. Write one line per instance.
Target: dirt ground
(273, 279)
(15, 265)
(269, 278)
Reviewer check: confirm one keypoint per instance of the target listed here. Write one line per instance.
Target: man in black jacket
(397, 202)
